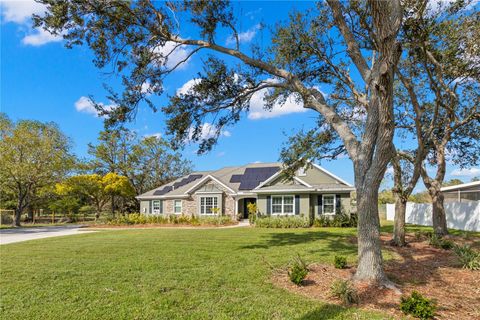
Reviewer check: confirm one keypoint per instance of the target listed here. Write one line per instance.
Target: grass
(167, 274)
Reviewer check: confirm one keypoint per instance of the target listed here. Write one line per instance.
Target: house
(313, 191)
(464, 192)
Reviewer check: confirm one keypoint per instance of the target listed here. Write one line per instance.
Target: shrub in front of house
(215, 221)
(418, 306)
(298, 270)
(282, 222)
(469, 258)
(338, 221)
(138, 219)
(345, 291)
(340, 262)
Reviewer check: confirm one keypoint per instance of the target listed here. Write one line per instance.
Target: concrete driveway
(25, 234)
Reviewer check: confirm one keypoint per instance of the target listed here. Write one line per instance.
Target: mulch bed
(435, 273)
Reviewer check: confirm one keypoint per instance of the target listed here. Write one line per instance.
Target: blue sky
(42, 80)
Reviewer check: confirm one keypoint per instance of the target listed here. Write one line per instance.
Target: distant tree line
(38, 170)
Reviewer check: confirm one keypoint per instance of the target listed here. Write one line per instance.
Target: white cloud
(86, 106)
(172, 54)
(187, 86)
(253, 13)
(158, 135)
(258, 111)
(471, 172)
(40, 37)
(20, 11)
(244, 37)
(208, 131)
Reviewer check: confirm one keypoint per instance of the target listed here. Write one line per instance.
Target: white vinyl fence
(460, 215)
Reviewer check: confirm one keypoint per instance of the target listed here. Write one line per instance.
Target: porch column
(236, 207)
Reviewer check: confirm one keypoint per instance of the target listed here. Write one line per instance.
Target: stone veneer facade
(190, 206)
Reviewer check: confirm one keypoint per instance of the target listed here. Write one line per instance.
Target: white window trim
(200, 205)
(174, 206)
(153, 207)
(334, 204)
(283, 204)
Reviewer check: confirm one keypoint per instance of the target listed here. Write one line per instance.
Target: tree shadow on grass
(326, 311)
(331, 242)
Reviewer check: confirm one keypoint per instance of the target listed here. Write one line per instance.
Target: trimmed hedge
(137, 218)
(338, 221)
(282, 222)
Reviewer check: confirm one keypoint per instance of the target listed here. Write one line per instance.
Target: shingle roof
(224, 175)
(181, 186)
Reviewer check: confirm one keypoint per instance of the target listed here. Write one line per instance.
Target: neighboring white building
(464, 192)
(462, 207)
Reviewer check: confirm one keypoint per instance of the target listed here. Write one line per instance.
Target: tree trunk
(19, 209)
(113, 206)
(370, 261)
(17, 217)
(399, 223)
(439, 218)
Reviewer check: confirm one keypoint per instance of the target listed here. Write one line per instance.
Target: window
(208, 205)
(283, 205)
(177, 206)
(328, 204)
(156, 206)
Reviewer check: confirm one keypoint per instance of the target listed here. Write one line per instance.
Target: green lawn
(166, 274)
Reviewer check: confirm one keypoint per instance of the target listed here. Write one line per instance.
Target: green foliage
(469, 258)
(439, 242)
(340, 262)
(252, 212)
(34, 156)
(95, 188)
(418, 306)
(66, 204)
(298, 270)
(137, 218)
(147, 162)
(386, 196)
(420, 197)
(337, 221)
(345, 291)
(282, 222)
(452, 182)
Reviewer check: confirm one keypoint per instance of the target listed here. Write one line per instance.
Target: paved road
(24, 234)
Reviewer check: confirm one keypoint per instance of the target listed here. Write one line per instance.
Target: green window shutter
(150, 204)
(161, 206)
(297, 204)
(338, 203)
(319, 206)
(269, 204)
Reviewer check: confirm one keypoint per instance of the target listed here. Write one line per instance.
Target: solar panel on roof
(177, 184)
(236, 178)
(252, 177)
(163, 191)
(186, 180)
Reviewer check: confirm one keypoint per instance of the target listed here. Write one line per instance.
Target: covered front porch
(241, 206)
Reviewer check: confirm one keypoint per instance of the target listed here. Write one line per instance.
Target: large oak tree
(33, 156)
(351, 48)
(438, 101)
